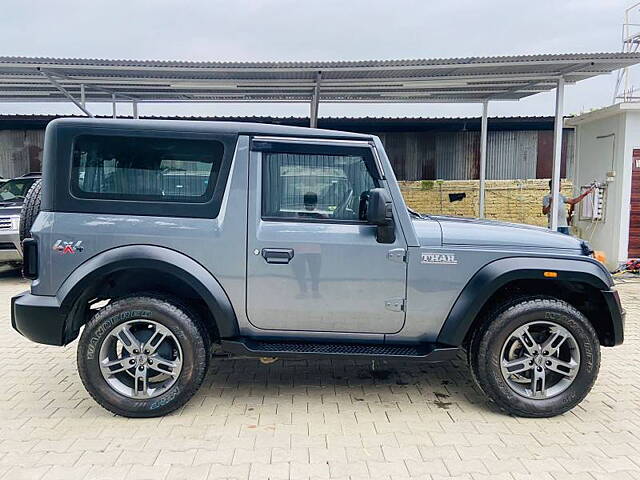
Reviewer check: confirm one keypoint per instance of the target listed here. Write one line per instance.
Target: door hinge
(397, 255)
(395, 304)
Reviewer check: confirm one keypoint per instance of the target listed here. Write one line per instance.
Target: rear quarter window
(145, 168)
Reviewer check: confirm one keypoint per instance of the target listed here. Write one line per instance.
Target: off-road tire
(182, 323)
(486, 346)
(30, 209)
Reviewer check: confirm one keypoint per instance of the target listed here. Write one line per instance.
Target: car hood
(476, 232)
(10, 208)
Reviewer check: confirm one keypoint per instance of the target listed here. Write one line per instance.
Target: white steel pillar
(83, 99)
(135, 109)
(483, 157)
(113, 104)
(315, 102)
(557, 154)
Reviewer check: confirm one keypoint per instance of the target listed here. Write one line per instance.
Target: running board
(260, 348)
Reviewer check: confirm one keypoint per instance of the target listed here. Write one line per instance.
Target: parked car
(12, 195)
(285, 241)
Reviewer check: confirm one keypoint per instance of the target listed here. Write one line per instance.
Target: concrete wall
(517, 201)
(604, 142)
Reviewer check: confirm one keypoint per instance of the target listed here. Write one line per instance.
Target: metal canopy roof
(473, 79)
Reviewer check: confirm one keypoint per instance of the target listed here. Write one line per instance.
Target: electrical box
(593, 206)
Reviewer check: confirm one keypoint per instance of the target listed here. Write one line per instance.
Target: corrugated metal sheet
(20, 152)
(457, 155)
(379, 81)
(426, 155)
(512, 155)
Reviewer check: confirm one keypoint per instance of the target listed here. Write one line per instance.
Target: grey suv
(164, 242)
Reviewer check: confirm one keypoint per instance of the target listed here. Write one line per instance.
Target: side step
(260, 348)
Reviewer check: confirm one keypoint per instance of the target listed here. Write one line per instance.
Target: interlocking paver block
(314, 419)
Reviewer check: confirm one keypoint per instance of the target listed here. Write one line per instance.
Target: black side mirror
(379, 211)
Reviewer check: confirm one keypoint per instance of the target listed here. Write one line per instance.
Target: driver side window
(314, 187)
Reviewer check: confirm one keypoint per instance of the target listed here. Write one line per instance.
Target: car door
(313, 264)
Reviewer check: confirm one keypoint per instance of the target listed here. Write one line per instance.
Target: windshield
(15, 189)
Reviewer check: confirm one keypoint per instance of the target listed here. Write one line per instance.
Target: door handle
(277, 255)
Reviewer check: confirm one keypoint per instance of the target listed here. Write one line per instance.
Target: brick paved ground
(312, 419)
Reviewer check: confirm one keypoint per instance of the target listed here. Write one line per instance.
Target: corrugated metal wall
(511, 154)
(429, 155)
(20, 152)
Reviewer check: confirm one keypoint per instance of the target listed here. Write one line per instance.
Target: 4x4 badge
(68, 247)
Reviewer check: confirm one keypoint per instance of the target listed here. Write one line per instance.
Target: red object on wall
(634, 213)
(544, 164)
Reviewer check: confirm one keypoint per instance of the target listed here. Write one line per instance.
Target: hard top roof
(246, 128)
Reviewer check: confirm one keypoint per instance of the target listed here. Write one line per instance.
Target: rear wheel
(536, 357)
(143, 356)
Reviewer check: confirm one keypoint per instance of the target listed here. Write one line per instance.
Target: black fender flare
(496, 274)
(155, 258)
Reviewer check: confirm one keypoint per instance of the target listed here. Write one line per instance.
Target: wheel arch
(113, 273)
(525, 275)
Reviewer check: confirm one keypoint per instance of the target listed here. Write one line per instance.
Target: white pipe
(557, 155)
(483, 157)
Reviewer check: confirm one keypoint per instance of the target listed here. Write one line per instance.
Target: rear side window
(145, 169)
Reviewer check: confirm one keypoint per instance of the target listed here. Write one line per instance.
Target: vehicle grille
(5, 223)
(7, 246)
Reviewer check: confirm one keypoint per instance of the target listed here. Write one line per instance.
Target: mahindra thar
(160, 243)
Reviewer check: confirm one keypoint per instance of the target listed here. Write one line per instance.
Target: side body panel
(435, 285)
(216, 244)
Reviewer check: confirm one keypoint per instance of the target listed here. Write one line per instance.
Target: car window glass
(15, 189)
(313, 186)
(141, 168)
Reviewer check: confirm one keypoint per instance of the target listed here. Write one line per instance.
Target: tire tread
(478, 354)
(194, 326)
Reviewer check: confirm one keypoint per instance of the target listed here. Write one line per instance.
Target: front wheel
(536, 357)
(143, 356)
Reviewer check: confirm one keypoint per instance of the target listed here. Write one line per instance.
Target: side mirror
(379, 211)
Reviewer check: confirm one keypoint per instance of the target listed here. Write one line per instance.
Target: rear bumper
(38, 318)
(617, 317)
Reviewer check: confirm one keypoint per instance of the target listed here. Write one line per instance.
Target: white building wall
(604, 142)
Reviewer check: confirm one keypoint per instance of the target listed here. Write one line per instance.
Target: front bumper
(10, 248)
(38, 318)
(618, 315)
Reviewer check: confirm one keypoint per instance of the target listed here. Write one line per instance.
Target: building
(608, 153)
(419, 148)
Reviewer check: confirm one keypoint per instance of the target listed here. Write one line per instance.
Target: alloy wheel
(140, 359)
(540, 360)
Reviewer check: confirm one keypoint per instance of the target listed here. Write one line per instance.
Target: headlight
(15, 222)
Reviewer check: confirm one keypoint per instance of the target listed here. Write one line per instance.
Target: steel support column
(83, 97)
(135, 109)
(557, 154)
(315, 102)
(483, 157)
(113, 104)
(66, 94)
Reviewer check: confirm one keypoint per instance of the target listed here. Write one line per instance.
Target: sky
(283, 30)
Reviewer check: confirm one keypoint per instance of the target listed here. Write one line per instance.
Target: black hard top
(238, 128)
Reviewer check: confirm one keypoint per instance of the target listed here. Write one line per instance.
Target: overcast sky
(256, 30)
